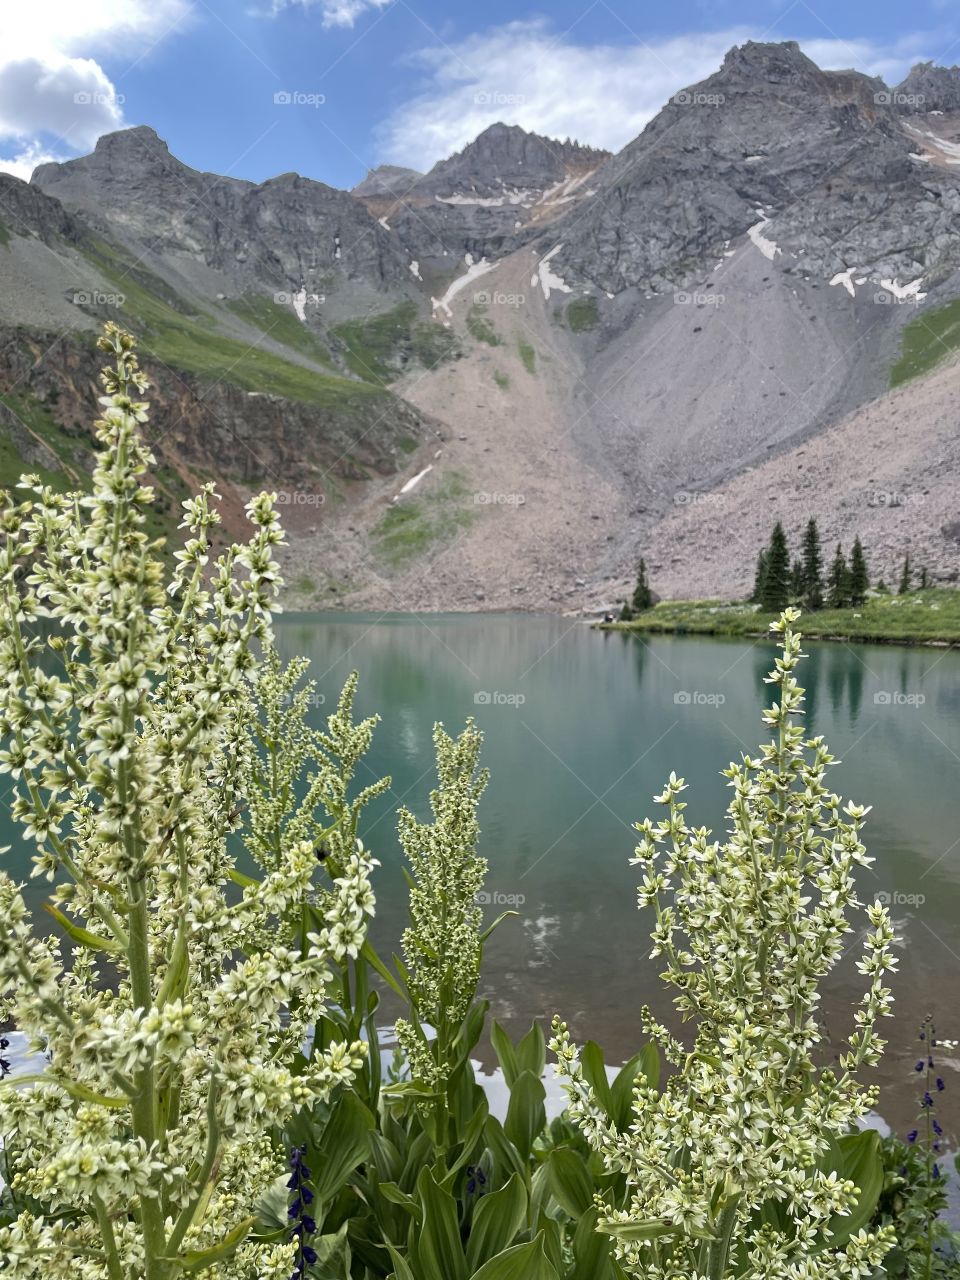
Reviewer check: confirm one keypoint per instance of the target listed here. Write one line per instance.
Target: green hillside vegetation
(377, 346)
(413, 526)
(582, 315)
(927, 340)
(186, 339)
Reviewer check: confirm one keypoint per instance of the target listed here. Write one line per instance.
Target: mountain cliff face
(530, 355)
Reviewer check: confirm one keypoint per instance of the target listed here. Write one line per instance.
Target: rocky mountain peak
(506, 155)
(387, 180)
(768, 61)
(929, 88)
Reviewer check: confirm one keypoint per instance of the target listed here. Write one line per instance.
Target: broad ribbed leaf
(522, 1262)
(526, 1116)
(570, 1181)
(496, 1220)
(439, 1248)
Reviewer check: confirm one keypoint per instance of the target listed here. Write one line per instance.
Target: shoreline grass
(930, 617)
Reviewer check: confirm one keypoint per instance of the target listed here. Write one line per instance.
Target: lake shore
(929, 617)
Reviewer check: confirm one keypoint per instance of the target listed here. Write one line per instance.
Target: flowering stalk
(443, 944)
(731, 1170)
(174, 1033)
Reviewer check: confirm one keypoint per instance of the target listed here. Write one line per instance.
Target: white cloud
(522, 74)
(24, 162)
(334, 13)
(52, 86)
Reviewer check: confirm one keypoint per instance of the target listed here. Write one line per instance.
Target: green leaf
(83, 937)
(531, 1052)
(369, 954)
(633, 1232)
(401, 1269)
(390, 1191)
(857, 1157)
(591, 1250)
(647, 1064)
(496, 924)
(439, 1248)
(496, 1220)
(245, 882)
(506, 1157)
(526, 1115)
(198, 1259)
(506, 1054)
(570, 1181)
(522, 1262)
(341, 1146)
(271, 1208)
(591, 1059)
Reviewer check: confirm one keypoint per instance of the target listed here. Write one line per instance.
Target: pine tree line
(779, 583)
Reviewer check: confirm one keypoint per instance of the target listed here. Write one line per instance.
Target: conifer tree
(756, 595)
(859, 577)
(924, 578)
(642, 595)
(906, 575)
(776, 579)
(812, 567)
(796, 582)
(838, 583)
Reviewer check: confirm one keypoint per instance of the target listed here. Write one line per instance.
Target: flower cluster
(174, 1027)
(443, 945)
(727, 1168)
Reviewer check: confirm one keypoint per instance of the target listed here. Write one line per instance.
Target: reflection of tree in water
(810, 679)
(836, 678)
(857, 672)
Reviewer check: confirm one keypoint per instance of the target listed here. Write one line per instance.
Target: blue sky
(400, 81)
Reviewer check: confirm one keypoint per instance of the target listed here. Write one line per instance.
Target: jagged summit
(507, 155)
(387, 180)
(929, 87)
